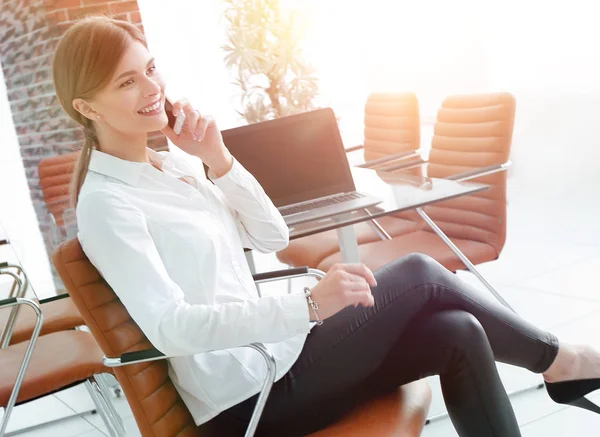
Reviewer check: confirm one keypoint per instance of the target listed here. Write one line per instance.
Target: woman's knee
(457, 326)
(418, 264)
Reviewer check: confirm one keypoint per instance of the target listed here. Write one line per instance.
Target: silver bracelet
(314, 305)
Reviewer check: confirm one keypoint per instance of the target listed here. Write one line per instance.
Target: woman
(170, 244)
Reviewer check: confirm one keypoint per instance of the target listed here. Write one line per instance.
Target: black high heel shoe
(573, 392)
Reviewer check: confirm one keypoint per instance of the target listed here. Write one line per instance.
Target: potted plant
(264, 52)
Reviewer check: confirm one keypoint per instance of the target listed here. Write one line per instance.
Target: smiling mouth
(150, 109)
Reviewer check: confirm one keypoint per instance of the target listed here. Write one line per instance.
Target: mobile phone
(175, 122)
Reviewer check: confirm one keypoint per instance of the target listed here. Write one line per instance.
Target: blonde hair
(84, 61)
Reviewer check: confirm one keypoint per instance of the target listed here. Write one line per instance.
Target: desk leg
(348, 244)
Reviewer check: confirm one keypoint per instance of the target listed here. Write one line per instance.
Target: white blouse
(173, 253)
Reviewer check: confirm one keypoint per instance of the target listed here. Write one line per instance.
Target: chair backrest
(55, 176)
(392, 124)
(157, 407)
(473, 131)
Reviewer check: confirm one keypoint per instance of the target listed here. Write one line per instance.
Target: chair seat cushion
(58, 360)
(377, 254)
(310, 251)
(59, 315)
(401, 413)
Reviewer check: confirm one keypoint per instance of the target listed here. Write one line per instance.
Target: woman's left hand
(200, 137)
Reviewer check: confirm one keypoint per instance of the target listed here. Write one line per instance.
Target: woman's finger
(358, 283)
(191, 122)
(361, 270)
(363, 298)
(182, 105)
(203, 123)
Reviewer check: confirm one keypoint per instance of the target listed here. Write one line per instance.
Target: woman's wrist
(222, 165)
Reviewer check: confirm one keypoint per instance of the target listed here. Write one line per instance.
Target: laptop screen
(294, 158)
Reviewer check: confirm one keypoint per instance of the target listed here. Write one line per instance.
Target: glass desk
(398, 192)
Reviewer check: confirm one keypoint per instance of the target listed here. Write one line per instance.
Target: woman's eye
(130, 81)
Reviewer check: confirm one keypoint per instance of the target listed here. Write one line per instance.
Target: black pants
(425, 322)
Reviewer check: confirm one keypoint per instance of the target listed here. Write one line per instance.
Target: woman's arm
(115, 237)
(260, 225)
(259, 222)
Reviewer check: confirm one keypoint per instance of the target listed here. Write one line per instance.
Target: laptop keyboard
(319, 203)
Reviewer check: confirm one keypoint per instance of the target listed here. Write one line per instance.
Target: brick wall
(29, 32)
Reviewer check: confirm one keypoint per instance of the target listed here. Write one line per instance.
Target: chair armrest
(405, 165)
(478, 172)
(354, 148)
(18, 283)
(23, 285)
(53, 298)
(141, 356)
(7, 301)
(154, 354)
(8, 327)
(15, 301)
(390, 158)
(279, 275)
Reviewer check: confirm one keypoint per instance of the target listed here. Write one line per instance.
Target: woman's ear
(85, 109)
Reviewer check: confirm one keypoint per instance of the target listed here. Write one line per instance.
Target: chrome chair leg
(113, 425)
(106, 393)
(266, 388)
(6, 333)
(26, 358)
(462, 257)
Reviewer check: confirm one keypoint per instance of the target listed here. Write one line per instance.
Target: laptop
(300, 162)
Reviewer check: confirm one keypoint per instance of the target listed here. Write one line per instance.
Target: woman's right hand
(342, 286)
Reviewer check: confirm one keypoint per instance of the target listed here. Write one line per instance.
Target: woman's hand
(342, 286)
(200, 137)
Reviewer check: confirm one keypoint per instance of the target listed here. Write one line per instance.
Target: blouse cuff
(296, 312)
(231, 179)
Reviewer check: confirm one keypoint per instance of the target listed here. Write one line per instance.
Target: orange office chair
(59, 313)
(392, 142)
(142, 370)
(392, 130)
(471, 142)
(46, 364)
(55, 176)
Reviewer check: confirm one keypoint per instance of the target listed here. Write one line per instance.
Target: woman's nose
(151, 87)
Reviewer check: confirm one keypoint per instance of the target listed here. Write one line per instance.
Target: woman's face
(133, 101)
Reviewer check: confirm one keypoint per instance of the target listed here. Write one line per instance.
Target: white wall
(186, 38)
(17, 216)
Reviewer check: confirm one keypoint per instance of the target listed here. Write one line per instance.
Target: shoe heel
(586, 404)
